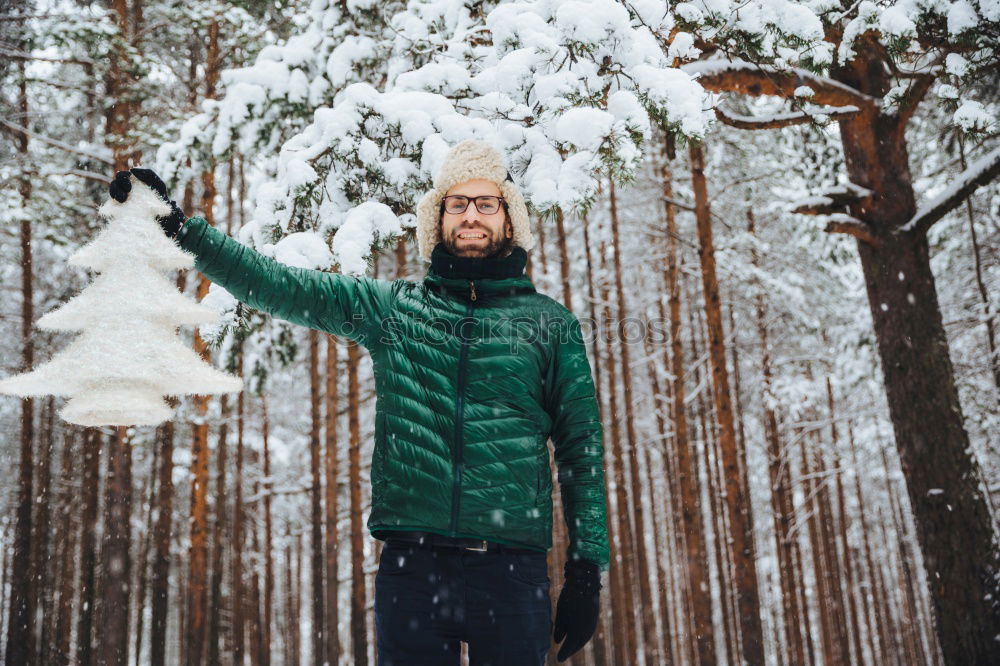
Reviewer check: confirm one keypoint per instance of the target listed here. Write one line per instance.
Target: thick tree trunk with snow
(943, 479)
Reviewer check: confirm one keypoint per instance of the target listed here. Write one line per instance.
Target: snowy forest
(778, 222)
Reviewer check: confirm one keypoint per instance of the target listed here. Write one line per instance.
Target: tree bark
(332, 616)
(218, 535)
(88, 544)
(160, 579)
(779, 474)
(737, 495)
(266, 619)
(638, 511)
(359, 620)
(116, 560)
(66, 538)
(600, 636)
(21, 618)
(316, 497)
(625, 645)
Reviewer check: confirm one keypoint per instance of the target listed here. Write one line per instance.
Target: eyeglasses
(456, 204)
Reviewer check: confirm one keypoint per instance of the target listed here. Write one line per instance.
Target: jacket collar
(492, 276)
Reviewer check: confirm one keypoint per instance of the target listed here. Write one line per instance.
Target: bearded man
(474, 372)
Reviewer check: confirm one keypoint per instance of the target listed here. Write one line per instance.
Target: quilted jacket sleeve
(346, 306)
(577, 438)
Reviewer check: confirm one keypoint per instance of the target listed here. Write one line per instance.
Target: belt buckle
(477, 549)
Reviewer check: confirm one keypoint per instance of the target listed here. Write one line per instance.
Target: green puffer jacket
(471, 378)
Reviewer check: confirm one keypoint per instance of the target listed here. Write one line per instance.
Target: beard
(496, 246)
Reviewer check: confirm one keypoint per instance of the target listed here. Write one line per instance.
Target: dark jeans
(427, 600)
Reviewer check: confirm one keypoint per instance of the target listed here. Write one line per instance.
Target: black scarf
(447, 265)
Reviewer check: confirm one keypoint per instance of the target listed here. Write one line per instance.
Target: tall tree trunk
(66, 538)
(316, 496)
(878, 648)
(638, 511)
(21, 619)
(712, 488)
(851, 584)
(91, 478)
(359, 624)
(240, 601)
(218, 535)
(40, 525)
(943, 479)
(196, 629)
(698, 589)
(143, 558)
(116, 560)
(779, 474)
(625, 642)
(811, 510)
(160, 579)
(266, 619)
(332, 615)
(737, 495)
(600, 641)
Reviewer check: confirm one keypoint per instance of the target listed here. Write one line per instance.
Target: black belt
(433, 540)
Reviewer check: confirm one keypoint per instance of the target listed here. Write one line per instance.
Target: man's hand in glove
(578, 607)
(122, 185)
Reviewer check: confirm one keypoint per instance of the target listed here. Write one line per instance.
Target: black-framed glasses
(456, 204)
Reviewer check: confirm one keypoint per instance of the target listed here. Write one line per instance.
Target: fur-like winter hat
(468, 160)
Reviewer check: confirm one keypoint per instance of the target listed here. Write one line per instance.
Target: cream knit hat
(468, 160)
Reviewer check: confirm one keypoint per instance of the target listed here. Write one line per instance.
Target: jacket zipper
(458, 465)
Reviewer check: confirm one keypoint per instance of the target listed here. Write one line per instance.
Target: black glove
(578, 607)
(122, 185)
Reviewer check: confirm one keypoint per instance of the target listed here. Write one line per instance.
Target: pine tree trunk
(160, 579)
(712, 488)
(240, 601)
(218, 535)
(316, 501)
(851, 584)
(332, 396)
(811, 510)
(662, 537)
(625, 642)
(698, 589)
(915, 622)
(116, 560)
(266, 619)
(359, 623)
(638, 511)
(942, 478)
(877, 646)
(21, 618)
(779, 474)
(737, 495)
(829, 553)
(66, 538)
(90, 483)
(40, 525)
(560, 536)
(600, 641)
(142, 562)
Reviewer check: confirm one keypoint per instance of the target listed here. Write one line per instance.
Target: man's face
(474, 234)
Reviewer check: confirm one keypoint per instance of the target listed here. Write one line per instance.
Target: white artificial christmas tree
(128, 355)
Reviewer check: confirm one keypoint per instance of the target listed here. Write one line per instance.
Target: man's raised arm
(346, 306)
